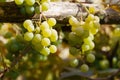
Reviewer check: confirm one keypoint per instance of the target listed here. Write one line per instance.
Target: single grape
(89, 18)
(74, 63)
(22, 10)
(19, 2)
(73, 21)
(91, 44)
(96, 25)
(114, 60)
(46, 33)
(30, 10)
(45, 42)
(85, 47)
(45, 51)
(79, 31)
(27, 22)
(44, 25)
(37, 29)
(28, 36)
(84, 68)
(36, 39)
(97, 19)
(104, 64)
(37, 46)
(93, 30)
(74, 51)
(87, 40)
(30, 2)
(30, 28)
(53, 48)
(54, 35)
(90, 58)
(92, 10)
(45, 6)
(51, 22)
(74, 39)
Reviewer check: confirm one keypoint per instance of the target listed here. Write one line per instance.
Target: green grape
(92, 10)
(54, 35)
(45, 6)
(85, 47)
(74, 63)
(96, 25)
(45, 42)
(28, 36)
(88, 25)
(30, 28)
(51, 22)
(30, 2)
(45, 1)
(53, 48)
(27, 22)
(104, 64)
(117, 32)
(87, 40)
(37, 9)
(46, 33)
(89, 18)
(22, 10)
(74, 39)
(91, 44)
(84, 68)
(91, 36)
(90, 58)
(79, 31)
(45, 51)
(37, 30)
(114, 60)
(37, 46)
(97, 19)
(74, 51)
(44, 25)
(73, 21)
(93, 30)
(19, 2)
(30, 10)
(36, 39)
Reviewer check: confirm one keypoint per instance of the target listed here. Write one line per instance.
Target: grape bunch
(42, 36)
(29, 7)
(82, 36)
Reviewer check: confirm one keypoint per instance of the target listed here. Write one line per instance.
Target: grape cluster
(82, 36)
(29, 7)
(42, 36)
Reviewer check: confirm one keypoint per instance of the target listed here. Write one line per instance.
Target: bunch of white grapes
(28, 7)
(83, 33)
(42, 36)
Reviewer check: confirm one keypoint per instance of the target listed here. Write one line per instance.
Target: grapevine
(83, 35)
(59, 40)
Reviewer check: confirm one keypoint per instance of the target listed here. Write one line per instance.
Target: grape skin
(90, 58)
(19, 2)
(28, 36)
(84, 68)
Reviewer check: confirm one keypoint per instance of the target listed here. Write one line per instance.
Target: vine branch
(10, 12)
